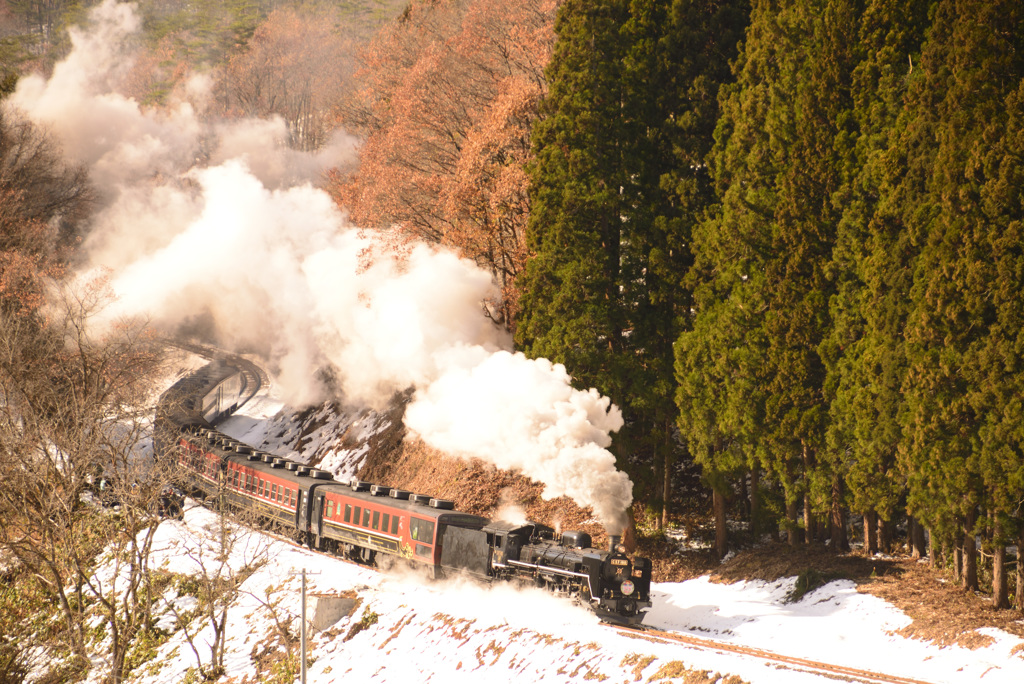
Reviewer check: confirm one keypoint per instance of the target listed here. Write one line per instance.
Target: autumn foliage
(447, 97)
(294, 66)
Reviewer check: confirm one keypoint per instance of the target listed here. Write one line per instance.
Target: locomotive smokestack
(614, 540)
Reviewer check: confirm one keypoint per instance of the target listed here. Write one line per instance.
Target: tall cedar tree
(770, 243)
(872, 267)
(1001, 371)
(677, 56)
(603, 292)
(957, 343)
(709, 33)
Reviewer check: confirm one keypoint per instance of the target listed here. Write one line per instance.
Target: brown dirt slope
(473, 485)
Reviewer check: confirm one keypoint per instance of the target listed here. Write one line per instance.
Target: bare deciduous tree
(295, 67)
(75, 406)
(224, 553)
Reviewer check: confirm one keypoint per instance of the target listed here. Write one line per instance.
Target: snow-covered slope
(457, 631)
(402, 628)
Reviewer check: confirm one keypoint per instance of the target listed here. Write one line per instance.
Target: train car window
(422, 550)
(330, 509)
(355, 518)
(366, 517)
(385, 522)
(262, 487)
(280, 493)
(394, 525)
(376, 520)
(348, 512)
(273, 492)
(422, 530)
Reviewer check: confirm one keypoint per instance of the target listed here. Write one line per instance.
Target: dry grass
(678, 672)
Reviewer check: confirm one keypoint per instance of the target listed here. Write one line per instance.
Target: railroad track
(254, 377)
(797, 664)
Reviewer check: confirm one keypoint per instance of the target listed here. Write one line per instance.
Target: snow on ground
(460, 631)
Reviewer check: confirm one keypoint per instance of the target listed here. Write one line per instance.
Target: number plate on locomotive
(619, 561)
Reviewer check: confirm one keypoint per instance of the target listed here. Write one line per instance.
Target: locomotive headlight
(627, 588)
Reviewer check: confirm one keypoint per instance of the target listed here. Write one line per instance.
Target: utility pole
(302, 633)
(302, 640)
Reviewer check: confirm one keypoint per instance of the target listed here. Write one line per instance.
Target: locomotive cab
(506, 541)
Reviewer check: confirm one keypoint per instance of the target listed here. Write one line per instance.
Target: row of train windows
(249, 483)
(375, 520)
(268, 490)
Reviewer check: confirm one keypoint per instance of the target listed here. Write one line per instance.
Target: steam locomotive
(376, 524)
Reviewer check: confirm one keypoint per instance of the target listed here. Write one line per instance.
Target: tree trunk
(871, 533)
(721, 533)
(745, 497)
(659, 478)
(837, 521)
(917, 540)
(793, 528)
(970, 573)
(755, 504)
(958, 562)
(808, 520)
(933, 550)
(1020, 570)
(884, 536)
(1000, 590)
(666, 487)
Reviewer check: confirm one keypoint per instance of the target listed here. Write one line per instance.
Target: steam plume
(243, 237)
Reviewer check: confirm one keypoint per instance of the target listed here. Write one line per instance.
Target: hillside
(394, 627)
(376, 447)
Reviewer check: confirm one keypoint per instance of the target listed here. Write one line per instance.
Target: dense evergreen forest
(807, 214)
(784, 236)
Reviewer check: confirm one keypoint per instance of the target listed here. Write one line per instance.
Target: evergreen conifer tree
(618, 183)
(769, 245)
(972, 65)
(871, 267)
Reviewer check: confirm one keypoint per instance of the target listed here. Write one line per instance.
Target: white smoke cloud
(243, 236)
(119, 141)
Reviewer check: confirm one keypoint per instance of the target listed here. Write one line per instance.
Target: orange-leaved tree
(447, 97)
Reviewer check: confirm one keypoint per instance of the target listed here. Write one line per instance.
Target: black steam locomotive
(376, 524)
